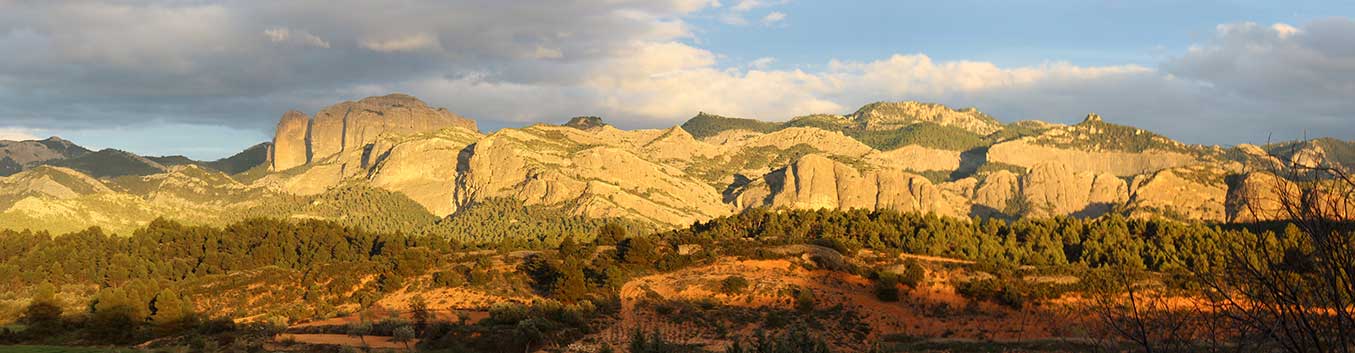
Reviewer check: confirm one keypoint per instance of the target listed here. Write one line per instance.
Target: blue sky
(1007, 33)
(209, 78)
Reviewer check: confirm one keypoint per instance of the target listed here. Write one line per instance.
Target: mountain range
(393, 163)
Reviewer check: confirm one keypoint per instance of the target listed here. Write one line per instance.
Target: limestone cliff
(351, 126)
(1053, 188)
(289, 142)
(815, 182)
(1188, 193)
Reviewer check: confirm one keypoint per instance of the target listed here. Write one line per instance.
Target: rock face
(424, 167)
(890, 116)
(289, 143)
(1054, 189)
(596, 171)
(1188, 193)
(354, 127)
(816, 182)
(1258, 196)
(1023, 153)
(351, 126)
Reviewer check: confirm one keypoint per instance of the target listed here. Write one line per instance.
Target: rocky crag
(907, 156)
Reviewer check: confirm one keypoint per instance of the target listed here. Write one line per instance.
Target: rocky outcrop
(817, 182)
(1259, 196)
(351, 126)
(1253, 157)
(996, 194)
(289, 143)
(1310, 155)
(894, 115)
(541, 165)
(424, 167)
(918, 158)
(1054, 189)
(1022, 153)
(1185, 193)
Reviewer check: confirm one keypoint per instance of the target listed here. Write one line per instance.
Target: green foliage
(1154, 244)
(508, 224)
(923, 134)
(706, 125)
(1103, 136)
(913, 273)
(886, 286)
(110, 163)
(733, 285)
(373, 209)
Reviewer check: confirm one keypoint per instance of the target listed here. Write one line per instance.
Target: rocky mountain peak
(353, 126)
(394, 100)
(894, 115)
(1092, 118)
(585, 122)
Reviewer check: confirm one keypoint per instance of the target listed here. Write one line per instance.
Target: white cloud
(17, 134)
(773, 18)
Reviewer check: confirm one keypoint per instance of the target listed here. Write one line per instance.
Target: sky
(208, 78)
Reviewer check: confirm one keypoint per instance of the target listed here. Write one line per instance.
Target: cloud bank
(87, 65)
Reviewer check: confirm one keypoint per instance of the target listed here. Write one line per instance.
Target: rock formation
(817, 182)
(401, 150)
(894, 115)
(289, 143)
(1186, 193)
(351, 126)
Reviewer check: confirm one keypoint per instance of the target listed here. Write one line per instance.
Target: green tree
(403, 334)
(418, 308)
(171, 310)
(360, 330)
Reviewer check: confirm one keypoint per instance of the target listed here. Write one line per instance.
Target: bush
(804, 300)
(886, 286)
(913, 274)
(733, 285)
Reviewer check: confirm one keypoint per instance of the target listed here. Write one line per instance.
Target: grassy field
(60, 349)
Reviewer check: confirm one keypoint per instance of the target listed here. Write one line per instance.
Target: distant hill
(16, 156)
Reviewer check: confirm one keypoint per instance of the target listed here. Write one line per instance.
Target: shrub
(913, 273)
(886, 286)
(733, 285)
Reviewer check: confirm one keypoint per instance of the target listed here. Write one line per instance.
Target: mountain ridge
(909, 156)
